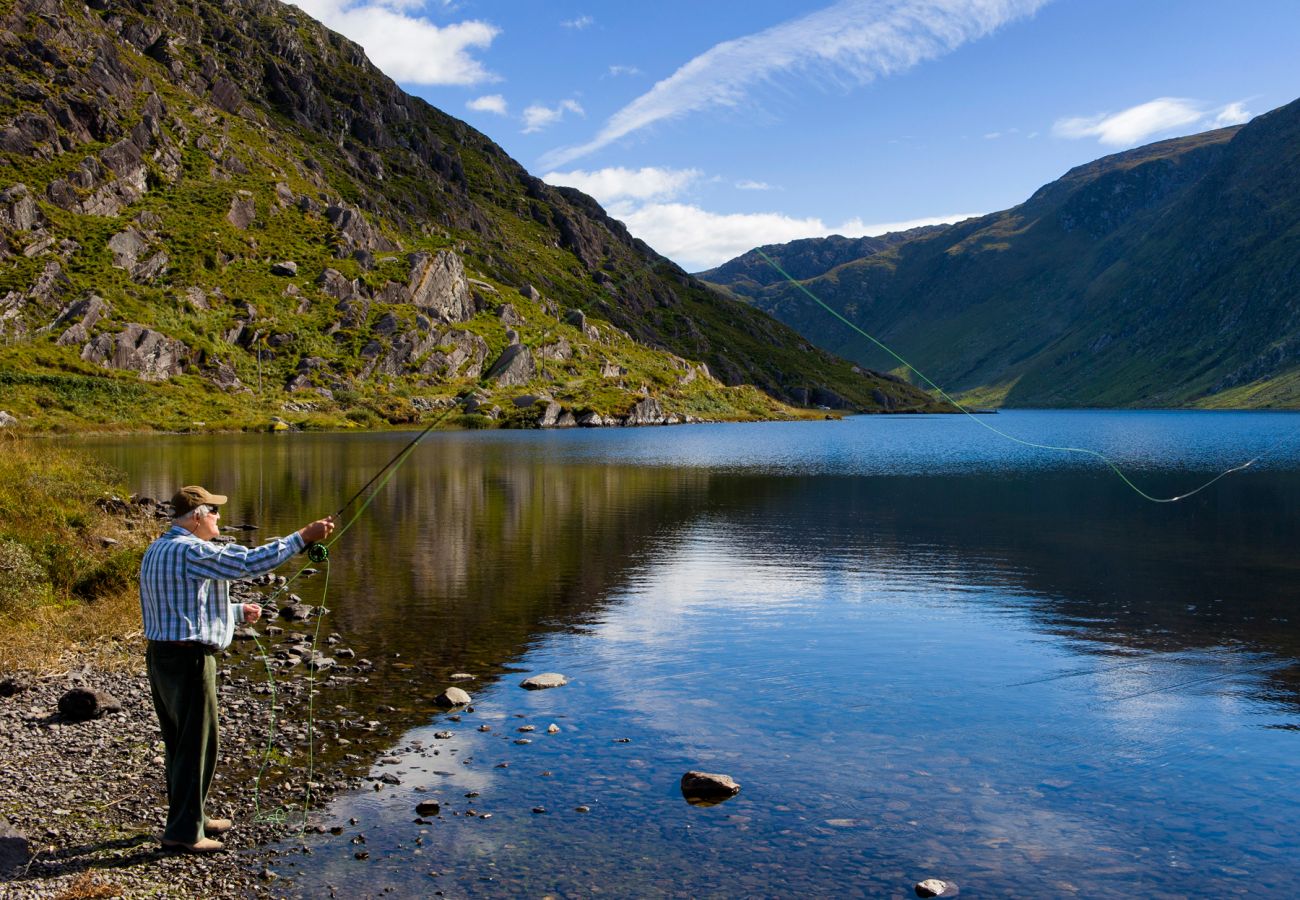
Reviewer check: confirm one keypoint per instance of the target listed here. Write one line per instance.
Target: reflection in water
(921, 653)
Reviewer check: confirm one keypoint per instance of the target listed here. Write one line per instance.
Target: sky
(714, 126)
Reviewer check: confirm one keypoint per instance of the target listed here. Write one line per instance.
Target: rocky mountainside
(1167, 275)
(220, 210)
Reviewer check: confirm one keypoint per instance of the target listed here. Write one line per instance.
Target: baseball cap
(192, 496)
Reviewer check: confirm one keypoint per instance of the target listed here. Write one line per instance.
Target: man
(188, 617)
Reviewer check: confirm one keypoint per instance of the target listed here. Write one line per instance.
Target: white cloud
(579, 23)
(1133, 125)
(1233, 114)
(538, 116)
(851, 41)
(492, 103)
(1138, 123)
(698, 239)
(616, 71)
(753, 186)
(408, 48)
(611, 185)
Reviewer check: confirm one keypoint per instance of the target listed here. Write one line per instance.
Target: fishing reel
(318, 553)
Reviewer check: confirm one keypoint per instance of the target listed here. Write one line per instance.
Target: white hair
(201, 510)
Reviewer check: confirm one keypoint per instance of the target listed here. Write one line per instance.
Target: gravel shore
(91, 799)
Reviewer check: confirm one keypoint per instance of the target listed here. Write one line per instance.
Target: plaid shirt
(185, 584)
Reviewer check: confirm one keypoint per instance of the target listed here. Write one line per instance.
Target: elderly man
(188, 617)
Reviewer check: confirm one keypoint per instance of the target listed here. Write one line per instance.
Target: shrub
(24, 583)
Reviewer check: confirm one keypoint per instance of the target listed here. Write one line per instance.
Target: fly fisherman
(188, 617)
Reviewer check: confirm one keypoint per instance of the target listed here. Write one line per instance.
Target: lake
(921, 649)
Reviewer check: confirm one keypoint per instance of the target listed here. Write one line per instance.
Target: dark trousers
(183, 681)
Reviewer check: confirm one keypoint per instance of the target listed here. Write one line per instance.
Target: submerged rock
(707, 788)
(543, 681)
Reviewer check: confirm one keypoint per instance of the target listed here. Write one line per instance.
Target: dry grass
(104, 635)
(87, 887)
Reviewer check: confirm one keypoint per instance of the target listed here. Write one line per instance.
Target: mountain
(749, 273)
(212, 212)
(1168, 275)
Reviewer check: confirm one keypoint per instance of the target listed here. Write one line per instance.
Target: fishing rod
(1085, 451)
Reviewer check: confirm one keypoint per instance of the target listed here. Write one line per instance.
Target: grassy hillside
(159, 163)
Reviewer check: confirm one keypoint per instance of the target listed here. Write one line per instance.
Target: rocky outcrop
(513, 367)
(136, 348)
(646, 412)
(438, 286)
(458, 354)
(131, 251)
(17, 308)
(83, 316)
(7, 420)
(18, 210)
(355, 232)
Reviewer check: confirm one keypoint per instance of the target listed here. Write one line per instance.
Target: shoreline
(90, 798)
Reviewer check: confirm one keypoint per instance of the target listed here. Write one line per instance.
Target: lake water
(922, 650)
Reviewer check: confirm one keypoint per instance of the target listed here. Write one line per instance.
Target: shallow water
(923, 651)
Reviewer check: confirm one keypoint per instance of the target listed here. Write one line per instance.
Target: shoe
(202, 845)
(214, 827)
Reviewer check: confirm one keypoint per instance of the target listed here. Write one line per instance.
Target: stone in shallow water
(934, 887)
(708, 788)
(543, 681)
(461, 676)
(453, 696)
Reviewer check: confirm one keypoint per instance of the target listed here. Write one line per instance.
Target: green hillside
(1167, 275)
(216, 214)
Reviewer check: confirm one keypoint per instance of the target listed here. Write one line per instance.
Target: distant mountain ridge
(749, 273)
(218, 210)
(1167, 275)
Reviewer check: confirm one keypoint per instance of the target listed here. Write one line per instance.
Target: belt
(193, 645)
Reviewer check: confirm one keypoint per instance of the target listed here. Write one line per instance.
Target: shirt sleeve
(227, 562)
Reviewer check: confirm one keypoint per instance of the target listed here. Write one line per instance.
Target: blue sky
(711, 127)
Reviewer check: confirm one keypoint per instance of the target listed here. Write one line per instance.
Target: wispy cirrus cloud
(852, 41)
(579, 23)
(539, 116)
(748, 185)
(1137, 124)
(406, 47)
(491, 103)
(616, 71)
(648, 201)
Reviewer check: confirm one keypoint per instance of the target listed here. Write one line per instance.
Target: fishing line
(319, 553)
(975, 418)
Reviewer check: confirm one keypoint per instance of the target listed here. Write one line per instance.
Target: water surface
(923, 651)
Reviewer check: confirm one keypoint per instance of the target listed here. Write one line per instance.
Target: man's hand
(317, 531)
(252, 612)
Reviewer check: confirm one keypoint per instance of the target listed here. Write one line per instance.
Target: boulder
(707, 788)
(509, 315)
(428, 807)
(513, 367)
(80, 704)
(355, 233)
(934, 887)
(286, 268)
(243, 210)
(14, 848)
(6, 420)
(551, 416)
(136, 348)
(612, 370)
(452, 696)
(298, 612)
(438, 286)
(590, 420)
(12, 684)
(530, 292)
(543, 681)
